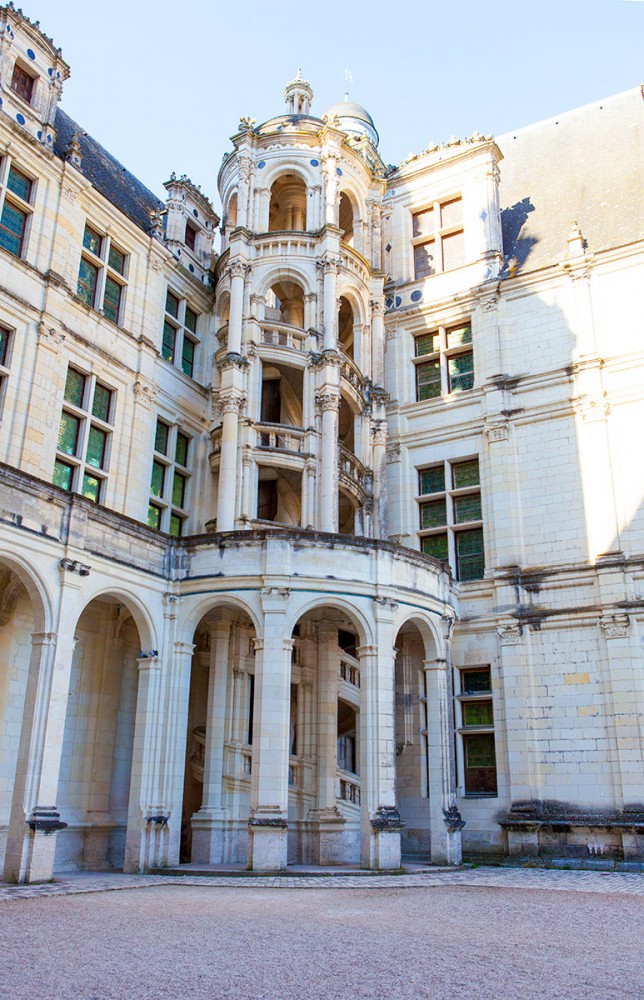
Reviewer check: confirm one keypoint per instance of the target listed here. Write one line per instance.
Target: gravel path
(170, 941)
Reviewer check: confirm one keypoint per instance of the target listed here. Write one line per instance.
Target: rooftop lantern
(298, 95)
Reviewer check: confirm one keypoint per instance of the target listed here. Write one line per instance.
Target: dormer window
(22, 83)
(191, 236)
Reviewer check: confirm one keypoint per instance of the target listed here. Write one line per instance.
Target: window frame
(6, 350)
(170, 515)
(78, 461)
(467, 732)
(25, 207)
(440, 359)
(451, 527)
(106, 273)
(438, 235)
(19, 67)
(182, 334)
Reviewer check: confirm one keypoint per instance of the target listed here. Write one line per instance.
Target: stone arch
(288, 202)
(37, 590)
(141, 616)
(428, 627)
(189, 620)
(294, 272)
(281, 165)
(231, 210)
(363, 623)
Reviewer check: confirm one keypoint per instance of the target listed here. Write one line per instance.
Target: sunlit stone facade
(321, 544)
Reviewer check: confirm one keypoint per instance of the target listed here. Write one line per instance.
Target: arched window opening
(288, 204)
(411, 741)
(231, 214)
(279, 495)
(346, 515)
(346, 426)
(285, 304)
(346, 323)
(347, 738)
(346, 219)
(282, 390)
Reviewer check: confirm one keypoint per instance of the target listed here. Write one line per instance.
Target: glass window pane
(92, 488)
(112, 299)
(452, 213)
(435, 545)
(4, 343)
(453, 251)
(432, 480)
(176, 526)
(476, 681)
(92, 241)
(480, 764)
(68, 433)
(470, 561)
(428, 380)
(181, 451)
(478, 713)
(465, 473)
(161, 438)
(188, 356)
(424, 260)
(87, 278)
(458, 336)
(158, 479)
(433, 514)
(75, 387)
(191, 320)
(191, 236)
(154, 516)
(427, 344)
(12, 228)
(172, 305)
(101, 404)
(169, 336)
(19, 184)
(96, 445)
(179, 490)
(467, 508)
(22, 84)
(423, 223)
(461, 373)
(116, 260)
(63, 475)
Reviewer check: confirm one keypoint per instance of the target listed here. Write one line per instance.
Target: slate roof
(584, 165)
(107, 175)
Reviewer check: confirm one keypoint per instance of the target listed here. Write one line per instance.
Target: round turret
(354, 119)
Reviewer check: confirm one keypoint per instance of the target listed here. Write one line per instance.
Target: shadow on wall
(512, 222)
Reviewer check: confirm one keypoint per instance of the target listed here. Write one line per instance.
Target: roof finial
(348, 80)
(299, 73)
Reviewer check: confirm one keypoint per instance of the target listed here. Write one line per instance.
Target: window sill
(479, 795)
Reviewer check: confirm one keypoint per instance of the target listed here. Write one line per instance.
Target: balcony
(348, 787)
(353, 475)
(280, 437)
(282, 335)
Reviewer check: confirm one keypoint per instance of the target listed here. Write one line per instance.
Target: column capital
(328, 401)
(232, 401)
(184, 648)
(440, 663)
(237, 269)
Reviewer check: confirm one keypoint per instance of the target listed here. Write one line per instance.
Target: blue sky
(162, 84)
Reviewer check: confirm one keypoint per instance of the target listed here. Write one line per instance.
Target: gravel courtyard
(175, 941)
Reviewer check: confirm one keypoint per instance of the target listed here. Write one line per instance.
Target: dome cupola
(353, 119)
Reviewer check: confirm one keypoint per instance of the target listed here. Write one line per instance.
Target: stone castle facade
(325, 544)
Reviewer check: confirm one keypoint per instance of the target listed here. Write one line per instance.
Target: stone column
(444, 817)
(379, 465)
(328, 491)
(237, 272)
(377, 340)
(380, 823)
(177, 701)
(330, 270)
(268, 821)
(331, 847)
(232, 402)
(146, 817)
(245, 167)
(208, 823)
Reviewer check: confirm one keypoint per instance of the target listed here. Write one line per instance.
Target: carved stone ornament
(510, 635)
(232, 360)
(50, 336)
(237, 269)
(72, 566)
(144, 393)
(386, 819)
(615, 626)
(377, 307)
(327, 401)
(328, 264)
(69, 195)
(246, 123)
(453, 819)
(393, 452)
(232, 401)
(45, 819)
(498, 432)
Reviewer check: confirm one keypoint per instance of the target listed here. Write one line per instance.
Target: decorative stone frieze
(144, 393)
(615, 626)
(50, 337)
(510, 635)
(73, 566)
(393, 452)
(498, 432)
